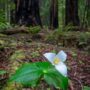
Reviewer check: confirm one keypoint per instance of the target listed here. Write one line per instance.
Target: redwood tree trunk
(72, 13)
(88, 12)
(54, 14)
(27, 12)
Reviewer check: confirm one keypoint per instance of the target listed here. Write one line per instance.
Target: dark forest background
(52, 13)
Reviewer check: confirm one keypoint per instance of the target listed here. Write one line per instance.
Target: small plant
(58, 61)
(2, 16)
(70, 27)
(84, 38)
(18, 55)
(32, 73)
(34, 30)
(35, 54)
(2, 72)
(4, 26)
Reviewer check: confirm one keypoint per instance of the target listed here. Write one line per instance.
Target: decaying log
(21, 29)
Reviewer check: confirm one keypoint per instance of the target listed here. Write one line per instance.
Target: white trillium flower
(58, 61)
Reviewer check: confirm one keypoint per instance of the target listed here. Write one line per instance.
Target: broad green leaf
(51, 80)
(56, 79)
(30, 75)
(33, 83)
(2, 72)
(26, 73)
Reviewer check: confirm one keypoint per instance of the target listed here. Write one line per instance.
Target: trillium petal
(50, 57)
(61, 67)
(62, 56)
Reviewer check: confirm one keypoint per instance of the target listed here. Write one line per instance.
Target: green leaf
(30, 75)
(26, 73)
(86, 88)
(56, 79)
(2, 72)
(18, 55)
(51, 80)
(33, 83)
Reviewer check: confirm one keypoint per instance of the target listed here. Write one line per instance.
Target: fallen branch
(21, 29)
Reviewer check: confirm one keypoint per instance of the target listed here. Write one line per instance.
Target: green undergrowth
(69, 38)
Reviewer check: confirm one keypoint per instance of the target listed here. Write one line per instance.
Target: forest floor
(31, 49)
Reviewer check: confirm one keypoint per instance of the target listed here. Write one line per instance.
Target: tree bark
(72, 13)
(27, 12)
(88, 12)
(54, 14)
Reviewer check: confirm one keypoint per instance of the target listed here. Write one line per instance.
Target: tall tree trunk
(54, 14)
(18, 10)
(86, 15)
(88, 12)
(27, 12)
(72, 13)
